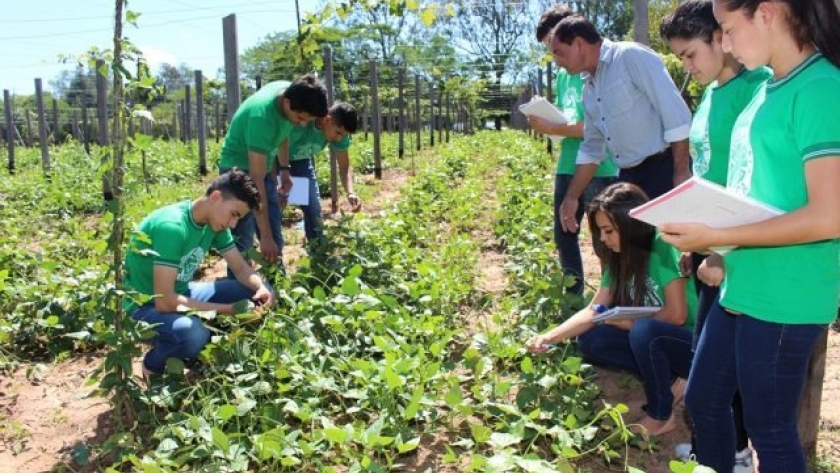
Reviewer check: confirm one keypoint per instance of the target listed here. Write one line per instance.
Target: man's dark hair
(576, 26)
(693, 19)
(236, 184)
(307, 94)
(549, 19)
(344, 115)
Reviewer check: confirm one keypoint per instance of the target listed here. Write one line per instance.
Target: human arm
(285, 172)
(569, 207)
(647, 73)
(256, 169)
(682, 161)
(577, 324)
(249, 278)
(711, 270)
(569, 130)
(817, 220)
(346, 173)
(169, 301)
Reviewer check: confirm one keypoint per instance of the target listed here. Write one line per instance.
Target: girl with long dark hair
(783, 280)
(639, 270)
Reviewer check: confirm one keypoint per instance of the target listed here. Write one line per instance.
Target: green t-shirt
(258, 125)
(664, 267)
(711, 128)
(791, 121)
(568, 96)
(170, 237)
(307, 141)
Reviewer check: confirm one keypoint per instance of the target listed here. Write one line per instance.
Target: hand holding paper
(541, 108)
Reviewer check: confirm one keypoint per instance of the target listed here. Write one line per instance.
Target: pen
(599, 308)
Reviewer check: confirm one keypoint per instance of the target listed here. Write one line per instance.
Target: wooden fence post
(329, 79)
(401, 105)
(187, 113)
(42, 129)
(102, 114)
(417, 122)
(231, 65)
(200, 123)
(377, 121)
(810, 402)
(10, 129)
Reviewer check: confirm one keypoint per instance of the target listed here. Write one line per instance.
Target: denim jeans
(767, 362)
(246, 228)
(181, 335)
(312, 218)
(655, 175)
(567, 243)
(706, 296)
(655, 351)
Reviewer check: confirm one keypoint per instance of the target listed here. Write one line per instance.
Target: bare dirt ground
(46, 413)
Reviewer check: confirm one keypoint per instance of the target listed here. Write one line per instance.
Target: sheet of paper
(617, 313)
(300, 191)
(542, 108)
(700, 201)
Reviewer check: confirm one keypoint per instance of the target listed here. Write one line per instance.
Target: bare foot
(648, 426)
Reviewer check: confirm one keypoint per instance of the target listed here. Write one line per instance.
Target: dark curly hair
(236, 184)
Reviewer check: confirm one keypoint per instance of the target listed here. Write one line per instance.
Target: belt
(652, 159)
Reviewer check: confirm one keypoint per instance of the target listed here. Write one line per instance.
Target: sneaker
(683, 451)
(743, 461)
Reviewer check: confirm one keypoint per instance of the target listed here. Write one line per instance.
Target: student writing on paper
(781, 284)
(639, 270)
(569, 98)
(695, 37)
(305, 142)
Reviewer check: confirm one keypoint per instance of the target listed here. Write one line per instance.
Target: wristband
(285, 168)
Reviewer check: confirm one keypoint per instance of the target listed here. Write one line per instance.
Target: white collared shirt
(631, 106)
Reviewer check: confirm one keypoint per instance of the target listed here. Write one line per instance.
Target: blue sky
(34, 33)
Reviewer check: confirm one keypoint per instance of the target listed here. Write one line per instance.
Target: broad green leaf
(527, 365)
(220, 439)
(335, 435)
(225, 412)
(480, 433)
(408, 446)
(500, 441)
(454, 397)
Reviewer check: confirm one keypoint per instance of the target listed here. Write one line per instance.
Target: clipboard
(542, 108)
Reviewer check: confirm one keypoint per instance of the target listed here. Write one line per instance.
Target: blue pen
(599, 308)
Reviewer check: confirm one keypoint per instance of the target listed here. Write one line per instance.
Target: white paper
(618, 313)
(542, 108)
(700, 201)
(300, 191)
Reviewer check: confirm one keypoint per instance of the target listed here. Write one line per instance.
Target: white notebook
(700, 201)
(542, 108)
(618, 313)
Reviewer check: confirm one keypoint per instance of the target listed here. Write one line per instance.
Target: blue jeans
(567, 242)
(767, 362)
(312, 219)
(655, 351)
(246, 229)
(655, 175)
(181, 335)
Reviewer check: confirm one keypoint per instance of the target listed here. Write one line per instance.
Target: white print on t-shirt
(190, 263)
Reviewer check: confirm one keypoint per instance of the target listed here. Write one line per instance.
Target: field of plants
(384, 353)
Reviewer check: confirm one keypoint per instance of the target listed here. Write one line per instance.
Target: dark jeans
(247, 228)
(180, 335)
(567, 243)
(312, 218)
(706, 296)
(657, 352)
(655, 175)
(767, 362)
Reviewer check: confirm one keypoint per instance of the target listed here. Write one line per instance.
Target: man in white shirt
(631, 107)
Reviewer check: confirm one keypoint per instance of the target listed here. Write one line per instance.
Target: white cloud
(156, 56)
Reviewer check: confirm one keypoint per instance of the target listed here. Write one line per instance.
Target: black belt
(652, 159)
